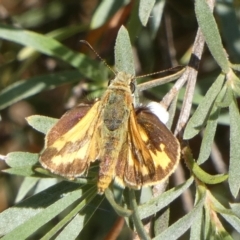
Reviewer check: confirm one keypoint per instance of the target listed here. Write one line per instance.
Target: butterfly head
(123, 79)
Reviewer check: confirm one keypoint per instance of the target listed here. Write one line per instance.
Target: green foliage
(48, 206)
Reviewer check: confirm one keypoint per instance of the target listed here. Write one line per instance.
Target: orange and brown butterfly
(132, 145)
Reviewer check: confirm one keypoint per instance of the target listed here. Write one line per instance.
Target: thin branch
(191, 77)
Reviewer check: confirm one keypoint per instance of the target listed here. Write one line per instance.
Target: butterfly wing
(72, 143)
(152, 154)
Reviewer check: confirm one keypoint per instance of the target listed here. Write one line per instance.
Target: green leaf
(41, 123)
(27, 185)
(234, 167)
(207, 228)
(161, 222)
(235, 208)
(119, 209)
(29, 87)
(34, 223)
(226, 100)
(156, 17)
(21, 171)
(51, 47)
(105, 10)
(21, 159)
(58, 34)
(78, 224)
(211, 34)
(204, 176)
(159, 202)
(16, 217)
(196, 228)
(136, 217)
(208, 136)
(72, 230)
(183, 224)
(134, 25)
(234, 82)
(145, 9)
(228, 214)
(200, 116)
(123, 53)
(233, 220)
(87, 197)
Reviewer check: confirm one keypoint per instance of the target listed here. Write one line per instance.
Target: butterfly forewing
(71, 146)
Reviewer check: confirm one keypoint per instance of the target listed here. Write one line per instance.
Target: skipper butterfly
(131, 144)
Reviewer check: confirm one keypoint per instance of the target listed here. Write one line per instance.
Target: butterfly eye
(132, 87)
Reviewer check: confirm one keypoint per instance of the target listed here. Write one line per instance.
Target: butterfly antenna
(166, 70)
(90, 46)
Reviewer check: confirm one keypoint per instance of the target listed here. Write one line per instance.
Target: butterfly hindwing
(162, 144)
(150, 158)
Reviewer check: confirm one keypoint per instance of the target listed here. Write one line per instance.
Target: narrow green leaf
(45, 183)
(105, 10)
(159, 202)
(134, 25)
(183, 224)
(119, 209)
(196, 228)
(156, 18)
(27, 185)
(161, 222)
(235, 208)
(85, 199)
(211, 34)
(123, 53)
(58, 34)
(208, 137)
(199, 118)
(16, 216)
(227, 97)
(233, 82)
(29, 87)
(41, 123)
(50, 47)
(234, 168)
(72, 230)
(207, 229)
(136, 218)
(228, 214)
(204, 176)
(21, 171)
(34, 223)
(145, 9)
(233, 220)
(77, 225)
(21, 159)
